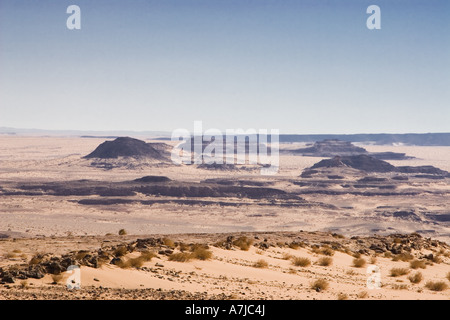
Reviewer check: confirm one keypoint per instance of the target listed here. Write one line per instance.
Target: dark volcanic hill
(417, 139)
(370, 164)
(334, 147)
(360, 162)
(128, 147)
(331, 148)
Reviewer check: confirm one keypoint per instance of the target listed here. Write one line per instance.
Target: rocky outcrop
(334, 147)
(404, 245)
(390, 156)
(331, 148)
(152, 185)
(359, 162)
(422, 169)
(370, 164)
(150, 179)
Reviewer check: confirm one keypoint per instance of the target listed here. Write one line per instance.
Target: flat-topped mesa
(331, 148)
(334, 147)
(360, 162)
(370, 164)
(128, 147)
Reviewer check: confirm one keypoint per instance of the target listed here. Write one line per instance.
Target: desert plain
(188, 232)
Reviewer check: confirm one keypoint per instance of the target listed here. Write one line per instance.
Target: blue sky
(298, 66)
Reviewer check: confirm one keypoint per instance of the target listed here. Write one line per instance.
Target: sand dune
(231, 274)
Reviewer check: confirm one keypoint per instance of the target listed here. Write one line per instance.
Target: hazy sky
(298, 66)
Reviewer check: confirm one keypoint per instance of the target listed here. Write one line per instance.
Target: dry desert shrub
(281, 244)
(121, 263)
(448, 276)
(102, 260)
(147, 255)
(292, 271)
(195, 246)
(36, 259)
(10, 255)
(301, 262)
(184, 247)
(327, 251)
(168, 242)
(403, 257)
(416, 264)
(363, 295)
(436, 286)
(24, 284)
(342, 296)
(287, 256)
(122, 232)
(201, 253)
(315, 249)
(81, 254)
(359, 262)
(295, 245)
(396, 272)
(399, 286)
(436, 259)
(320, 285)
(57, 278)
(120, 251)
(243, 243)
(346, 250)
(373, 260)
(325, 261)
(180, 257)
(351, 272)
(416, 277)
(137, 262)
(261, 264)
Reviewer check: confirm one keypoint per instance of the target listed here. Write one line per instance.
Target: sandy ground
(229, 274)
(434, 156)
(43, 159)
(35, 220)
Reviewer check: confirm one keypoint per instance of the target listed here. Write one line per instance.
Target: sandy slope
(232, 273)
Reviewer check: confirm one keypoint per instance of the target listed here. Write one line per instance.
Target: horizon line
(5, 129)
